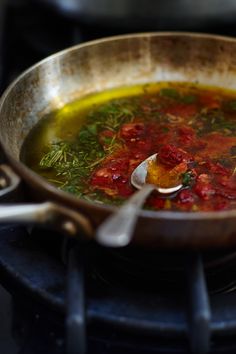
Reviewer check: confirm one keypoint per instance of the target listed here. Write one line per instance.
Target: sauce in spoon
(118, 229)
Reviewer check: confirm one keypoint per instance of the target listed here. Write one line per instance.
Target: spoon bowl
(118, 229)
(139, 175)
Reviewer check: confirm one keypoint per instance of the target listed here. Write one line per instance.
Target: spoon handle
(118, 229)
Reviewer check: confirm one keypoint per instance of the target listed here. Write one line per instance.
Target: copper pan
(96, 66)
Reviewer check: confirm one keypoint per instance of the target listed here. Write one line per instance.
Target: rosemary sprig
(58, 154)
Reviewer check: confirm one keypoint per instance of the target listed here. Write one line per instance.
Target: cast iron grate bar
(75, 320)
(200, 313)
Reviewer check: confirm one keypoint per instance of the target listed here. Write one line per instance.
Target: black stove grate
(31, 268)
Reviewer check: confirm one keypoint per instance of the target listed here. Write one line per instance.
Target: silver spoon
(118, 229)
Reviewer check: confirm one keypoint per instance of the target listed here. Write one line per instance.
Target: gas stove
(104, 301)
(57, 296)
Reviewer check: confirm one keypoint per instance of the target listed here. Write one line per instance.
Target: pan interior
(91, 146)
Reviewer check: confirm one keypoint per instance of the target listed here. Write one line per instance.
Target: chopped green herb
(215, 121)
(74, 161)
(232, 105)
(187, 178)
(107, 140)
(92, 128)
(169, 92)
(57, 154)
(189, 99)
(174, 94)
(165, 129)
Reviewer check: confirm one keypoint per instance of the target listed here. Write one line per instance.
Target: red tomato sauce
(195, 133)
(192, 128)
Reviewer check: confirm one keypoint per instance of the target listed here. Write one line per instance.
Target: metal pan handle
(47, 214)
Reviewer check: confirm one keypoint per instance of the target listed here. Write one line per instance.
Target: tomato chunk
(132, 131)
(170, 155)
(181, 109)
(217, 168)
(210, 101)
(204, 190)
(155, 202)
(186, 197)
(226, 192)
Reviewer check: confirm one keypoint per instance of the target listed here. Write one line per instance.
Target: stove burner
(161, 270)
